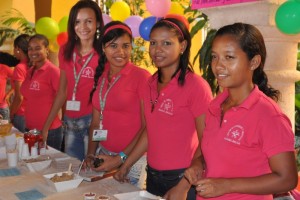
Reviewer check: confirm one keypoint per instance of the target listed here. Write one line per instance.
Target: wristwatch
(123, 156)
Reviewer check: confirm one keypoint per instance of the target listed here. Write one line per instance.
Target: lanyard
(77, 77)
(103, 101)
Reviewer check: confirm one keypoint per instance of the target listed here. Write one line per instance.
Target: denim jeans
(76, 136)
(55, 138)
(160, 182)
(5, 113)
(19, 122)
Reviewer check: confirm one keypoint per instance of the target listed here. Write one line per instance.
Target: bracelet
(123, 156)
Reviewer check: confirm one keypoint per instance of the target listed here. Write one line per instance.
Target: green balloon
(63, 24)
(47, 26)
(287, 17)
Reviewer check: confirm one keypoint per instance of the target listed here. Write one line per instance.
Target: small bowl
(89, 196)
(38, 164)
(63, 185)
(103, 197)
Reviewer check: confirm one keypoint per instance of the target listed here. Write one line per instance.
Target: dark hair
(40, 37)
(7, 59)
(182, 34)
(252, 43)
(72, 37)
(21, 42)
(110, 36)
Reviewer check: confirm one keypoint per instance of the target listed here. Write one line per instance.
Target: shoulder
(139, 72)
(196, 81)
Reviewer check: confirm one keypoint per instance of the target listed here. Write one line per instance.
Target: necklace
(153, 103)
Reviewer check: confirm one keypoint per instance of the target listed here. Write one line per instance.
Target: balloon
(176, 8)
(106, 18)
(119, 11)
(53, 46)
(287, 17)
(47, 27)
(146, 25)
(63, 24)
(134, 23)
(62, 38)
(180, 18)
(158, 8)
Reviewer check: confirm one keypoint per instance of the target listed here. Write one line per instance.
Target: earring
(181, 53)
(76, 37)
(18, 51)
(97, 34)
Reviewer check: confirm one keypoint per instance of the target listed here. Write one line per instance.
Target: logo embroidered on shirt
(35, 85)
(167, 107)
(235, 134)
(88, 72)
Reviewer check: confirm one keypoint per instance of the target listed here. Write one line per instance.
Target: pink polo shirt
(5, 74)
(122, 113)
(19, 76)
(85, 84)
(250, 134)
(39, 92)
(172, 136)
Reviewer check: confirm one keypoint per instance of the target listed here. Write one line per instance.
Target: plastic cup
(25, 151)
(34, 152)
(12, 158)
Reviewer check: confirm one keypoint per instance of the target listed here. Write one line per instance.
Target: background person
(245, 121)
(78, 59)
(119, 111)
(175, 101)
(39, 90)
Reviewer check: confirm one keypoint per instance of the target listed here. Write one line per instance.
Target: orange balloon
(62, 38)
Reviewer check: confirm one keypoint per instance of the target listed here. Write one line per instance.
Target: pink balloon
(134, 23)
(106, 18)
(158, 8)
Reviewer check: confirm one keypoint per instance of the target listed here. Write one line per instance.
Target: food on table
(64, 177)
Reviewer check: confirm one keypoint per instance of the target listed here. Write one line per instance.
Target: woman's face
(230, 63)
(37, 51)
(165, 49)
(118, 52)
(86, 24)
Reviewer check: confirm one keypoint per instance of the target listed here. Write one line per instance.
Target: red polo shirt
(5, 74)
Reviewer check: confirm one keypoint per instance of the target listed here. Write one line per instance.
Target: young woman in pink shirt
(117, 99)
(5, 75)
(175, 101)
(39, 90)
(78, 59)
(20, 71)
(248, 143)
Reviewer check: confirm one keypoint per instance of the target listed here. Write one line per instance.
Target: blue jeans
(55, 138)
(5, 113)
(19, 122)
(76, 136)
(159, 182)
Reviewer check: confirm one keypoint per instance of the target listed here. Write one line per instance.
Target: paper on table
(30, 195)
(138, 195)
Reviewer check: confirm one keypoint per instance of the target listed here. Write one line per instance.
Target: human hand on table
(109, 163)
(177, 192)
(212, 187)
(121, 175)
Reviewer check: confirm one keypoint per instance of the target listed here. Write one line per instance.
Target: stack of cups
(25, 151)
(20, 143)
(12, 153)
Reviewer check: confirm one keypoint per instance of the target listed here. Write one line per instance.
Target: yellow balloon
(53, 46)
(120, 11)
(176, 8)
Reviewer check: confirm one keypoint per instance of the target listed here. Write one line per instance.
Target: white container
(63, 185)
(38, 165)
(12, 158)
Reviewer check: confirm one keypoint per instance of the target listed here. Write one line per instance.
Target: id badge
(73, 105)
(99, 135)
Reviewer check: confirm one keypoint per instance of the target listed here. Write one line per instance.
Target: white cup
(25, 151)
(34, 152)
(20, 147)
(12, 158)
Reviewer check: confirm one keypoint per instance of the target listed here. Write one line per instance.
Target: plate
(138, 195)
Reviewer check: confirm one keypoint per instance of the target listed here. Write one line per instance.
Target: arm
(9, 95)
(139, 149)
(194, 172)
(57, 104)
(17, 101)
(283, 177)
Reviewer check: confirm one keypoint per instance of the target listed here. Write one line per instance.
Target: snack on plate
(5, 129)
(103, 197)
(89, 196)
(64, 177)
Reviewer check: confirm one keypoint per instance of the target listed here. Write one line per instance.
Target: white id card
(73, 105)
(99, 135)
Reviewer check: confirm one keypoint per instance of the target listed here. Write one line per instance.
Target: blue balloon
(146, 25)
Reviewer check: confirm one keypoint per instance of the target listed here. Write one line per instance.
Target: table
(27, 180)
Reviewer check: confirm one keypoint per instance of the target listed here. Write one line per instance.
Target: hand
(178, 192)
(193, 174)
(212, 187)
(121, 175)
(88, 162)
(110, 163)
(45, 135)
